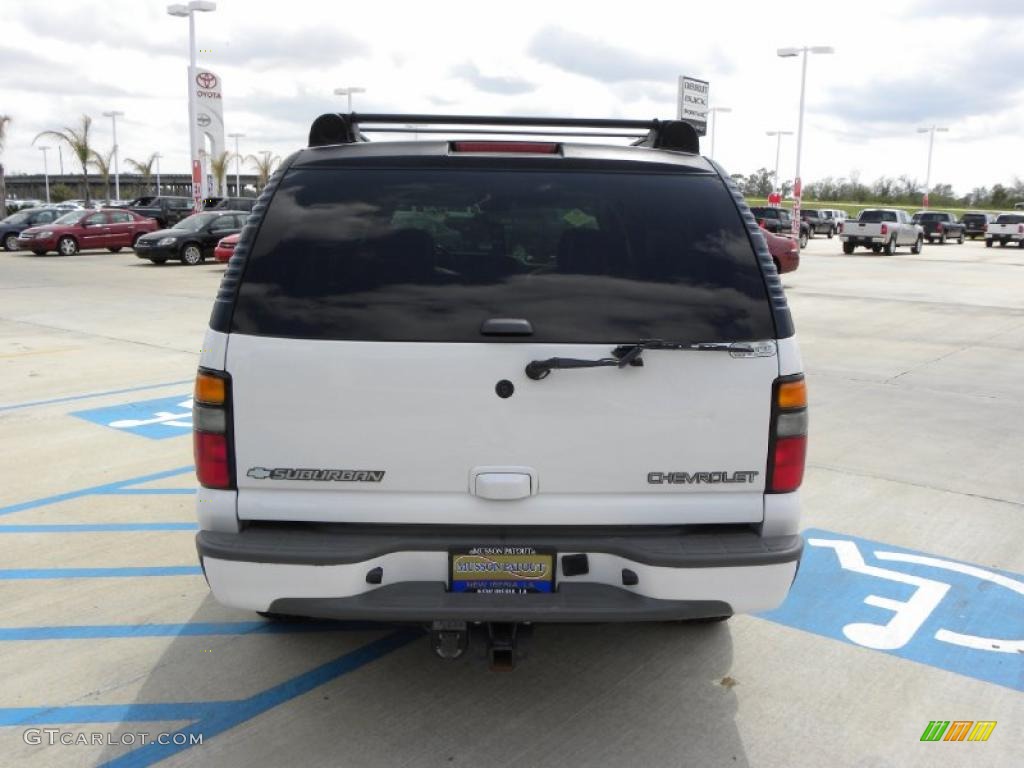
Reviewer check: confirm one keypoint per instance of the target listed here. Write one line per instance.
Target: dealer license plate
(510, 570)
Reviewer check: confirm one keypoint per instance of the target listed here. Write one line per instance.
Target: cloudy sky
(899, 65)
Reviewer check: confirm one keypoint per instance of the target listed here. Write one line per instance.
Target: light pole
(931, 142)
(348, 91)
(238, 163)
(46, 174)
(778, 151)
(189, 11)
(714, 124)
(798, 191)
(117, 176)
(60, 157)
(157, 156)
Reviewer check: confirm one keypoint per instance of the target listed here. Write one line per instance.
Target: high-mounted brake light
(211, 430)
(788, 440)
(522, 147)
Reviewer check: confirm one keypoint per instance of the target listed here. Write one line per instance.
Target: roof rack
(334, 128)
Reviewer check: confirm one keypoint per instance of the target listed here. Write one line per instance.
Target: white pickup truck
(1007, 228)
(881, 229)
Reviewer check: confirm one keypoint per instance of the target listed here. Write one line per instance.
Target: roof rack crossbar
(333, 128)
(493, 131)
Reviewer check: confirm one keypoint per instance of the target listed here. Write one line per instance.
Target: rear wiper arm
(629, 354)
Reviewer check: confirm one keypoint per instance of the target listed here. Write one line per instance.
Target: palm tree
(5, 120)
(219, 168)
(264, 164)
(78, 141)
(102, 163)
(144, 168)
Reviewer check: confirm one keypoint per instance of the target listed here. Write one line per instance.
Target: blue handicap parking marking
(956, 616)
(156, 419)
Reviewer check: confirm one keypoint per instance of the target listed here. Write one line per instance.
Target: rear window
(931, 217)
(874, 217)
(1010, 218)
(428, 254)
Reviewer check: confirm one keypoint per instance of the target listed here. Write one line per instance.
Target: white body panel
(1004, 232)
(427, 416)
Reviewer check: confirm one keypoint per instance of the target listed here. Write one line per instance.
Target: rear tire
(39, 253)
(916, 247)
(848, 248)
(159, 261)
(803, 240)
(942, 239)
(960, 240)
(191, 254)
(890, 247)
(831, 232)
(115, 249)
(876, 249)
(988, 243)
(11, 242)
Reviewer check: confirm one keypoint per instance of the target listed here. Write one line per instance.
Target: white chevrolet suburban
(455, 382)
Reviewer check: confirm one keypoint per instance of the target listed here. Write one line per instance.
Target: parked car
(975, 223)
(1007, 228)
(940, 226)
(191, 240)
(836, 215)
(394, 431)
(13, 225)
(69, 205)
(167, 211)
(784, 252)
(225, 248)
(882, 229)
(819, 224)
(110, 228)
(780, 221)
(234, 204)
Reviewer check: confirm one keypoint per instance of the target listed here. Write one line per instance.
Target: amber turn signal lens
(209, 390)
(792, 394)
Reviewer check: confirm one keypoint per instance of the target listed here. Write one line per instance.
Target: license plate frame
(499, 569)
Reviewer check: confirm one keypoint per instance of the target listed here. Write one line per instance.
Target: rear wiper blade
(629, 354)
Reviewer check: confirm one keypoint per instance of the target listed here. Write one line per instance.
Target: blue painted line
(97, 527)
(98, 573)
(151, 492)
(109, 713)
(218, 719)
(191, 629)
(94, 490)
(944, 613)
(70, 398)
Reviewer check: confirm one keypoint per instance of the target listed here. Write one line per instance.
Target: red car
(225, 247)
(783, 250)
(110, 228)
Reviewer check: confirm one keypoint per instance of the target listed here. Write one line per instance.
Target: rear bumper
(859, 240)
(678, 574)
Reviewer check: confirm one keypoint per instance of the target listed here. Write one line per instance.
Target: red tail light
(213, 465)
(788, 461)
(211, 430)
(1020, 229)
(788, 440)
(526, 147)
(940, 226)
(840, 228)
(885, 229)
(985, 228)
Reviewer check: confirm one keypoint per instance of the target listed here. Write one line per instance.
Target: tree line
(885, 189)
(79, 140)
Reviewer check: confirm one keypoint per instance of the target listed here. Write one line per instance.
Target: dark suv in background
(778, 221)
(16, 223)
(167, 211)
(939, 226)
(975, 223)
(818, 223)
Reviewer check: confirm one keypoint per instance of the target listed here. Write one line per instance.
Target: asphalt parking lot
(909, 606)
